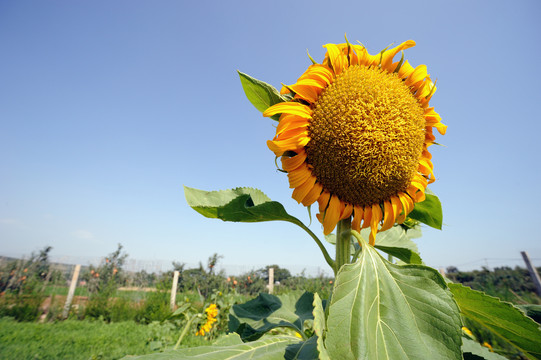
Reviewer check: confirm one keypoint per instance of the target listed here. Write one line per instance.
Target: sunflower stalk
(186, 328)
(324, 251)
(343, 244)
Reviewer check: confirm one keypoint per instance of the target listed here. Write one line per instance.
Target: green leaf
(397, 242)
(319, 327)
(266, 312)
(470, 347)
(533, 311)
(396, 236)
(501, 318)
(240, 204)
(180, 311)
(384, 311)
(305, 350)
(406, 255)
(228, 339)
(260, 94)
(267, 348)
(428, 212)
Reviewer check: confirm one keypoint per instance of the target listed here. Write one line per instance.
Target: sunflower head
(355, 136)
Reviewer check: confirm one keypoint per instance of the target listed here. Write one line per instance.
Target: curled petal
(387, 56)
(293, 108)
(291, 163)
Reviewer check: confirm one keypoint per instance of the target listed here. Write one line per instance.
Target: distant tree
(213, 261)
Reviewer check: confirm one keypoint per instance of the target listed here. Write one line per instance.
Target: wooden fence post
(271, 280)
(533, 272)
(174, 290)
(71, 292)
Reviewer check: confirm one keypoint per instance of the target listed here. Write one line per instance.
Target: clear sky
(107, 108)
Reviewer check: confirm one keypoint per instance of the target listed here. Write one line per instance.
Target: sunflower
(212, 313)
(354, 136)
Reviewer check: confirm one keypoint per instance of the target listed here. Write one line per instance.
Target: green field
(74, 339)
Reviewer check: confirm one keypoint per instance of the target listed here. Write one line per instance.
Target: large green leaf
(384, 311)
(260, 94)
(428, 212)
(472, 350)
(240, 204)
(266, 348)
(319, 327)
(501, 318)
(254, 318)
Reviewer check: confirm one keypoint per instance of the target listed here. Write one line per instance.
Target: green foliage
(320, 327)
(473, 350)
(379, 311)
(102, 285)
(260, 94)
(428, 212)
(508, 284)
(155, 308)
(22, 286)
(267, 348)
(74, 339)
(21, 307)
(502, 319)
(266, 312)
(240, 204)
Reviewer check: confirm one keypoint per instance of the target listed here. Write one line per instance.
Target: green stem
(360, 239)
(343, 244)
(328, 258)
(185, 330)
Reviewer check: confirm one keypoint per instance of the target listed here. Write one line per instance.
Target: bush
(155, 307)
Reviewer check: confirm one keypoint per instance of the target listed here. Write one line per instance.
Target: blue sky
(108, 108)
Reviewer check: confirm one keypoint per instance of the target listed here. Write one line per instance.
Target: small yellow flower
(467, 332)
(487, 345)
(212, 313)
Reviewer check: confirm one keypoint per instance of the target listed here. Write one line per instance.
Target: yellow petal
(405, 70)
(418, 75)
(331, 216)
(291, 122)
(407, 206)
(288, 107)
(367, 217)
(346, 211)
(298, 176)
(323, 201)
(291, 163)
(313, 195)
(302, 190)
(336, 57)
(389, 216)
(291, 144)
(397, 206)
(387, 57)
(374, 221)
(357, 217)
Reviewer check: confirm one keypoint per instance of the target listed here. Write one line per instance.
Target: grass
(75, 339)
